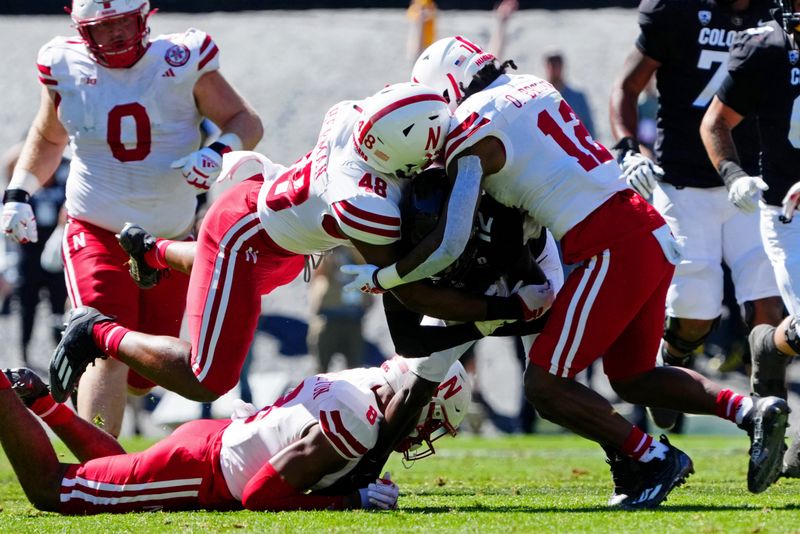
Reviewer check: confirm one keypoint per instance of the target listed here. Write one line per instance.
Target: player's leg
(29, 450)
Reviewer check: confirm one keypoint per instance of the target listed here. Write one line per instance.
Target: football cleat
(75, 351)
(627, 476)
(28, 386)
(659, 477)
(791, 460)
(135, 241)
(766, 425)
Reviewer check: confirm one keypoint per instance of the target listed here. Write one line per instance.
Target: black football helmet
(423, 205)
(790, 18)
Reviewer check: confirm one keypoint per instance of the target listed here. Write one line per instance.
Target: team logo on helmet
(177, 55)
(704, 17)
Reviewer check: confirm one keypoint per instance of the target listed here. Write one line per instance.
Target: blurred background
(292, 60)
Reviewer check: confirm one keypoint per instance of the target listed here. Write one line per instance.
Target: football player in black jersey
(763, 81)
(685, 44)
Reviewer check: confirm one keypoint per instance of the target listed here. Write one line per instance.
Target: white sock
(656, 451)
(744, 408)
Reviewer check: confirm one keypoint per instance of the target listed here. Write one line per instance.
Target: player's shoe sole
(135, 241)
(766, 424)
(659, 478)
(74, 352)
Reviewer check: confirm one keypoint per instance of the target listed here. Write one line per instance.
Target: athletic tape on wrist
(25, 180)
(388, 277)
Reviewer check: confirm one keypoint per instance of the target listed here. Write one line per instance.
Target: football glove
(745, 192)
(365, 278)
(201, 168)
(641, 173)
(381, 494)
(535, 299)
(790, 202)
(18, 221)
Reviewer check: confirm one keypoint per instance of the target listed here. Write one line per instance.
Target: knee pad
(687, 347)
(792, 337)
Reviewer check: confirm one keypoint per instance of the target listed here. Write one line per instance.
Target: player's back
(554, 170)
(330, 195)
(126, 126)
(344, 406)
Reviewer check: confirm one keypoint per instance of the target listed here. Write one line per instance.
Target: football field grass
(516, 484)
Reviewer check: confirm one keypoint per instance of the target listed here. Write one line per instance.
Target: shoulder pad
(193, 46)
(466, 130)
(348, 419)
(51, 57)
(752, 43)
(368, 217)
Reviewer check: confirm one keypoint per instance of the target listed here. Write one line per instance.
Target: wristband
(220, 148)
(16, 195)
(232, 140)
(503, 308)
(730, 171)
(25, 180)
(625, 145)
(387, 278)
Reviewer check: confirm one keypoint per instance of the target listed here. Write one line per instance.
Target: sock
(156, 257)
(5, 383)
(107, 335)
(642, 447)
(733, 407)
(51, 412)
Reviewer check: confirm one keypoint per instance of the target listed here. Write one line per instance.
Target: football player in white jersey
(515, 137)
(266, 459)
(261, 233)
(130, 108)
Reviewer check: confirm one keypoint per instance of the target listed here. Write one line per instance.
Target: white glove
(672, 248)
(790, 202)
(382, 493)
(51, 259)
(745, 191)
(536, 299)
(200, 168)
(641, 173)
(19, 222)
(364, 280)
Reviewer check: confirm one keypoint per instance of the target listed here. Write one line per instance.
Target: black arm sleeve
(413, 340)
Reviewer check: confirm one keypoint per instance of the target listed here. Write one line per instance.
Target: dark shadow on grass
(481, 508)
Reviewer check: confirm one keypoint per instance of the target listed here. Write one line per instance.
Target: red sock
(108, 335)
(729, 404)
(156, 256)
(51, 412)
(637, 443)
(5, 383)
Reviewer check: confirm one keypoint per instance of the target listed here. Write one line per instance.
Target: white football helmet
(89, 13)
(402, 129)
(441, 417)
(448, 66)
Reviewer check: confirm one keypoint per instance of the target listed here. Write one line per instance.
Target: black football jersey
(691, 40)
(764, 81)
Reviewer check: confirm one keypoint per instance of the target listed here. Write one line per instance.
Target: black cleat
(75, 351)
(766, 425)
(659, 477)
(28, 386)
(627, 476)
(135, 241)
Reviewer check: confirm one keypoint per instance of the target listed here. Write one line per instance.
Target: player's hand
(201, 168)
(535, 299)
(365, 278)
(641, 173)
(745, 191)
(18, 221)
(381, 494)
(790, 202)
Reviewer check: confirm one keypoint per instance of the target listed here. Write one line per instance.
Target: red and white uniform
(255, 237)
(207, 463)
(612, 304)
(126, 126)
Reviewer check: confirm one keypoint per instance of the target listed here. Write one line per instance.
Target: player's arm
(640, 173)
(716, 129)
(281, 484)
(39, 159)
(220, 102)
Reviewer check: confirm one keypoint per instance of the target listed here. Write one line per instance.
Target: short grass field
(516, 484)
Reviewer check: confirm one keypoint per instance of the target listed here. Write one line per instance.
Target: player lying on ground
(264, 459)
(516, 138)
(260, 234)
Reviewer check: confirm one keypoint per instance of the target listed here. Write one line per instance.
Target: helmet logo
(460, 60)
(177, 55)
(450, 387)
(433, 138)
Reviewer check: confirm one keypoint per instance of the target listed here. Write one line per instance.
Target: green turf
(520, 484)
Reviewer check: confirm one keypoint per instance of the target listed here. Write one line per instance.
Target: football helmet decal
(441, 416)
(402, 129)
(122, 53)
(448, 65)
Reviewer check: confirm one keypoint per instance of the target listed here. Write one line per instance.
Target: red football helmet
(124, 53)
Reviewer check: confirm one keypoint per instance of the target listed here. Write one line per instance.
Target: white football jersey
(126, 126)
(554, 169)
(344, 406)
(331, 195)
